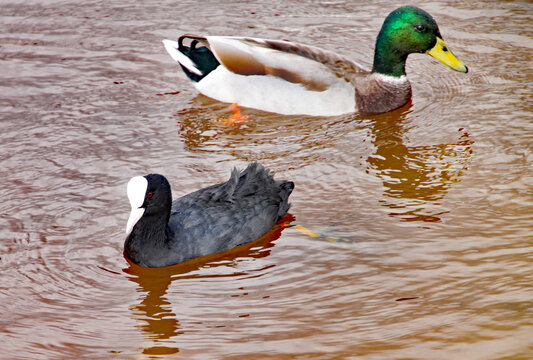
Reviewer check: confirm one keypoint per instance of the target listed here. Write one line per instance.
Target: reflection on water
(414, 176)
(90, 98)
(154, 312)
(157, 320)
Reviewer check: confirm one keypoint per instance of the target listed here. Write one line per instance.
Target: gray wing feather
(222, 216)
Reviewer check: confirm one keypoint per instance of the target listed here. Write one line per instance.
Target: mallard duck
(289, 78)
(217, 218)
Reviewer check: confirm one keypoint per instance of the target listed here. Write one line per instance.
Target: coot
(213, 219)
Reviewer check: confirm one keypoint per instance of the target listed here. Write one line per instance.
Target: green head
(410, 30)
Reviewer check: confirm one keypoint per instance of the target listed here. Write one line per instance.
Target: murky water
(436, 198)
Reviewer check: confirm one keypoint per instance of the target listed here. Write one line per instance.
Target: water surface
(434, 200)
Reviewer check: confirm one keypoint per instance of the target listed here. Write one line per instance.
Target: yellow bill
(441, 52)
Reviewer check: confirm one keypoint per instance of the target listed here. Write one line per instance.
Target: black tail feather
(203, 57)
(286, 188)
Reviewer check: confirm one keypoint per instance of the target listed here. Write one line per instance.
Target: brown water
(436, 198)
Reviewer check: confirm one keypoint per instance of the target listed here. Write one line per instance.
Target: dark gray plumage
(210, 220)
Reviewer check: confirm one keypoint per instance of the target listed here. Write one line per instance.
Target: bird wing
(311, 67)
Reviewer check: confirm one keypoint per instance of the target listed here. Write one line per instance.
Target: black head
(158, 196)
(149, 195)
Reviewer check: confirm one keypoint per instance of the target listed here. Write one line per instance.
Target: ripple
(436, 195)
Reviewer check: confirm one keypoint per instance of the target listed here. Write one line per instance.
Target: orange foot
(234, 118)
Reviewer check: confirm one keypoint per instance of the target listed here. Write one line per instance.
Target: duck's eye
(149, 195)
(420, 28)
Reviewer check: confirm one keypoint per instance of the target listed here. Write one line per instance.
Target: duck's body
(290, 78)
(211, 220)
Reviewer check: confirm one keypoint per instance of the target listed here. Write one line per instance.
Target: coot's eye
(150, 194)
(420, 28)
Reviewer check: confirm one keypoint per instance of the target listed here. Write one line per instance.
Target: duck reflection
(200, 128)
(154, 313)
(416, 178)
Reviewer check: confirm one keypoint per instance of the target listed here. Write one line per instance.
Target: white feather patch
(136, 191)
(276, 95)
(171, 47)
(391, 79)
